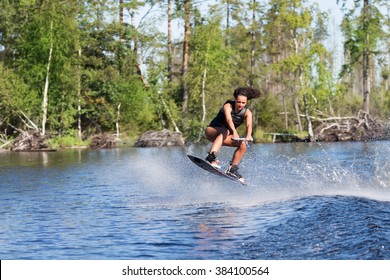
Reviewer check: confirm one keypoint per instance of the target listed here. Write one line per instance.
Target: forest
(74, 69)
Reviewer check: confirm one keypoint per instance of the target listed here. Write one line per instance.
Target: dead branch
(14, 127)
(361, 127)
(103, 141)
(6, 143)
(29, 141)
(33, 125)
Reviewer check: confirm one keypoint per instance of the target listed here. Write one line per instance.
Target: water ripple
(326, 201)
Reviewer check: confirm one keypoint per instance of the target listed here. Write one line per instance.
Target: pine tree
(363, 32)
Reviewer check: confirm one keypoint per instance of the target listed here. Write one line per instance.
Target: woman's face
(240, 102)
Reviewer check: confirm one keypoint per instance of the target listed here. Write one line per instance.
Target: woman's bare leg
(217, 136)
(221, 137)
(239, 153)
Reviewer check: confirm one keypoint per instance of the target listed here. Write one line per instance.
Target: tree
(295, 54)
(231, 7)
(211, 68)
(89, 69)
(169, 41)
(16, 102)
(44, 42)
(285, 32)
(363, 33)
(186, 44)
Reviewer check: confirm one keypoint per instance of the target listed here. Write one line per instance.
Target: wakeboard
(214, 170)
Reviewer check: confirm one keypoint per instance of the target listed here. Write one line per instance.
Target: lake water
(304, 201)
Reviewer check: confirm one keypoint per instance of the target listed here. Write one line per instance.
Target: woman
(222, 129)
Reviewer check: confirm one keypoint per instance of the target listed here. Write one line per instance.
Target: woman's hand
(235, 135)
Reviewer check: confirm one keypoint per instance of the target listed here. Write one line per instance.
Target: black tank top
(220, 119)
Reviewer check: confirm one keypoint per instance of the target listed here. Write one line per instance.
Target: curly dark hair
(249, 92)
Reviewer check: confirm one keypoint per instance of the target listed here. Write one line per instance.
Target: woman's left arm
(248, 121)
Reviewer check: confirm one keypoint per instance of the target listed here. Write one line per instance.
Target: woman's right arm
(227, 109)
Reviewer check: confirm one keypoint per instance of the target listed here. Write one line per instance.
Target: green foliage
(269, 116)
(298, 59)
(210, 71)
(16, 100)
(348, 105)
(68, 141)
(381, 103)
(363, 32)
(105, 73)
(385, 105)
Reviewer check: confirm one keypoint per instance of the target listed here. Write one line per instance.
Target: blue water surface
(304, 201)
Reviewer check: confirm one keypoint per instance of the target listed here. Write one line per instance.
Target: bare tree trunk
(227, 22)
(137, 65)
(203, 103)
(253, 42)
(46, 89)
(118, 113)
(187, 32)
(170, 54)
(285, 111)
(297, 113)
(253, 59)
(387, 81)
(169, 113)
(308, 119)
(296, 105)
(366, 64)
(366, 83)
(79, 100)
(121, 20)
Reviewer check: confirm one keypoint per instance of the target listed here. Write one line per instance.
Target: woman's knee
(243, 146)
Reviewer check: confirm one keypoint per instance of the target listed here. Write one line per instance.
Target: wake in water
(304, 202)
(325, 171)
(275, 173)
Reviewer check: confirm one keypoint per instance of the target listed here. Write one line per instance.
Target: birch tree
(46, 88)
(210, 73)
